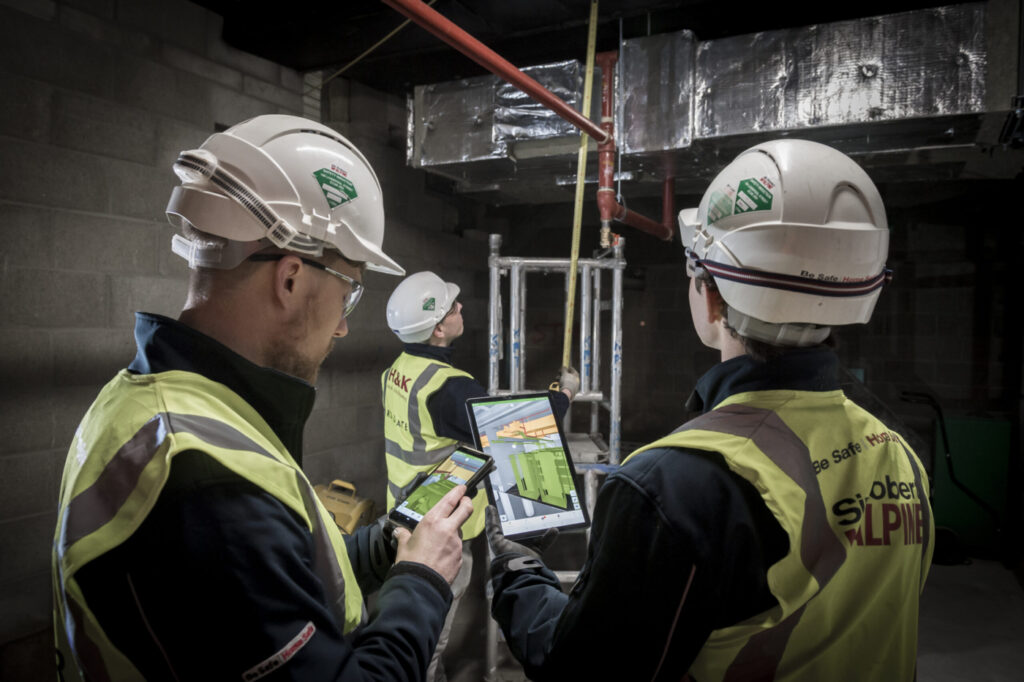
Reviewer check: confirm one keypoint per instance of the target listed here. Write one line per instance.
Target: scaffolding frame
(591, 308)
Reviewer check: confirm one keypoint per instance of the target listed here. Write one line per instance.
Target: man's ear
(713, 301)
(287, 277)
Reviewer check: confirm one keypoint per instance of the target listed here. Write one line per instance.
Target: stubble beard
(288, 359)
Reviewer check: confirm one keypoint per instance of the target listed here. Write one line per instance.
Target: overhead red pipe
(609, 208)
(489, 59)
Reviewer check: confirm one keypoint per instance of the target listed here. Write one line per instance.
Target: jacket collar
(801, 369)
(284, 401)
(425, 350)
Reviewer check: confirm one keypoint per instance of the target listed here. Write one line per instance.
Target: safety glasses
(357, 287)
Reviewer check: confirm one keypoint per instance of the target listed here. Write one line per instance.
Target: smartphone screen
(463, 467)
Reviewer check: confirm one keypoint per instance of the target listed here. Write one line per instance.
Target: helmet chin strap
(785, 334)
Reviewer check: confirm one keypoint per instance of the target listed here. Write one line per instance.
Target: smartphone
(463, 466)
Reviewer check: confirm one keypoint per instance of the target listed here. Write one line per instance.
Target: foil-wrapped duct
(655, 93)
(454, 122)
(913, 64)
(518, 117)
(887, 84)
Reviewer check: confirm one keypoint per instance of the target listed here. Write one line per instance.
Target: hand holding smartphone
(464, 466)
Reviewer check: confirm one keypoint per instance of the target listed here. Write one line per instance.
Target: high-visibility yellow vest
(853, 499)
(411, 443)
(120, 460)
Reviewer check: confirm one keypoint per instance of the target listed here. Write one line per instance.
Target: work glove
(514, 556)
(569, 380)
(383, 543)
(410, 486)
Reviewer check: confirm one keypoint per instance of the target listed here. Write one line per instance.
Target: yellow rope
(581, 172)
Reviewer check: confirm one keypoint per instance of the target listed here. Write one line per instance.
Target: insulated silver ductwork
(911, 95)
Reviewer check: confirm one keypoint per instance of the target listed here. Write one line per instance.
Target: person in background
(425, 414)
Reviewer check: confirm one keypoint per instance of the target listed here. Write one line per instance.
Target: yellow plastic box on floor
(348, 509)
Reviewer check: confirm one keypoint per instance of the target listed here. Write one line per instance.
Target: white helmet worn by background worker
(418, 304)
(795, 236)
(282, 181)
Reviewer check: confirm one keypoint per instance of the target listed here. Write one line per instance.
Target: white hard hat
(282, 181)
(795, 235)
(417, 304)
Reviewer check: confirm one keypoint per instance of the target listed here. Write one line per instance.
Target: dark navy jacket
(219, 576)
(665, 513)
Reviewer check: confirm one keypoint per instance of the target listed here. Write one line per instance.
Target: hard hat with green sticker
(336, 187)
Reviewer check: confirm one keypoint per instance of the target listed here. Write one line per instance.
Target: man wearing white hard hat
(784, 534)
(190, 544)
(425, 403)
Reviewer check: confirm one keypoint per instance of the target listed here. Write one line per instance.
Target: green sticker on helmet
(719, 206)
(336, 187)
(750, 196)
(429, 304)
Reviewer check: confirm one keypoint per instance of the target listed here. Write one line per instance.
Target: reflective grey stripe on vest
(925, 511)
(821, 552)
(325, 561)
(395, 490)
(95, 506)
(417, 459)
(415, 428)
(419, 455)
(87, 655)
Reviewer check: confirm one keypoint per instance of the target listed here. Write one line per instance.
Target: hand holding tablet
(533, 483)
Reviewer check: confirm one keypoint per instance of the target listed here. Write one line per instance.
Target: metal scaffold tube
(615, 427)
(586, 331)
(513, 330)
(521, 329)
(494, 315)
(595, 355)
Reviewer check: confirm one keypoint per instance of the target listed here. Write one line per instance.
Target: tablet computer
(533, 483)
(463, 466)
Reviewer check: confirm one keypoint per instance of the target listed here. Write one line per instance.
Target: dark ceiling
(311, 34)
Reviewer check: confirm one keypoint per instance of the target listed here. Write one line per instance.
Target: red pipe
(609, 208)
(489, 59)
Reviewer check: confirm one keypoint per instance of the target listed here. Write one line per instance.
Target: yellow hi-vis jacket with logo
(853, 499)
(120, 460)
(411, 443)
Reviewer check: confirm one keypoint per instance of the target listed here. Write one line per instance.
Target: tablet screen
(533, 482)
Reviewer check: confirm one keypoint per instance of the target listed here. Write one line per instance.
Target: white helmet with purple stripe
(795, 236)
